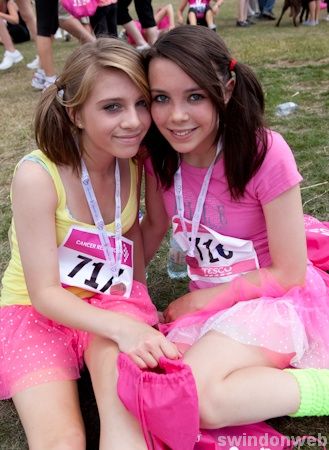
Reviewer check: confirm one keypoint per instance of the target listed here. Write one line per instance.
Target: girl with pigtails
(74, 291)
(230, 187)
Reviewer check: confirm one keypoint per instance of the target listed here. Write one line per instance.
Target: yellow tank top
(14, 290)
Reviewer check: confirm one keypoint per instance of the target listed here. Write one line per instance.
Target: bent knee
(213, 407)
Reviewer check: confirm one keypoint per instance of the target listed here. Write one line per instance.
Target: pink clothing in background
(163, 24)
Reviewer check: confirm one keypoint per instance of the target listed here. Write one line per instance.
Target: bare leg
(5, 37)
(317, 10)
(210, 19)
(192, 18)
(45, 52)
(135, 34)
(242, 10)
(231, 376)
(119, 429)
(75, 27)
(51, 417)
(152, 34)
(27, 13)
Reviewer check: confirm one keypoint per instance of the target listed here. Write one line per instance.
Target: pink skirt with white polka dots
(294, 326)
(36, 350)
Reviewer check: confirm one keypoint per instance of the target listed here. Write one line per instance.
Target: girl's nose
(179, 113)
(131, 119)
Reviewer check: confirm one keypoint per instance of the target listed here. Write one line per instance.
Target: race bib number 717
(83, 264)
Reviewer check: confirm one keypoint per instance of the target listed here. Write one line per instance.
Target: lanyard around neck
(178, 183)
(113, 261)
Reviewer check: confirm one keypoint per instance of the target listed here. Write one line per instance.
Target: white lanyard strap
(114, 261)
(178, 182)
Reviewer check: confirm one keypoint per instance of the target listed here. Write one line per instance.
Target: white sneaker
(35, 64)
(142, 47)
(38, 80)
(10, 58)
(58, 34)
(49, 81)
(327, 18)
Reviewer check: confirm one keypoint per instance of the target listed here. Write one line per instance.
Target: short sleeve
(278, 173)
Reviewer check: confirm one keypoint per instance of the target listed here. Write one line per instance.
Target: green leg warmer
(314, 391)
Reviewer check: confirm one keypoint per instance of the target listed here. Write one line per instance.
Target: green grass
(292, 64)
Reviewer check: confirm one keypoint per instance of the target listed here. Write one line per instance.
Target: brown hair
(56, 134)
(204, 57)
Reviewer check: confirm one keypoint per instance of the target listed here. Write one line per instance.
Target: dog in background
(296, 7)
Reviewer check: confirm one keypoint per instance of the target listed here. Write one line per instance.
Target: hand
(143, 344)
(180, 19)
(183, 305)
(215, 9)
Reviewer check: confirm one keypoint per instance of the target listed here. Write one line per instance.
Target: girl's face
(115, 117)
(183, 112)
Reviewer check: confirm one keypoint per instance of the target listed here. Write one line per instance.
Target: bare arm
(287, 246)
(12, 15)
(216, 6)
(182, 6)
(155, 222)
(168, 11)
(34, 208)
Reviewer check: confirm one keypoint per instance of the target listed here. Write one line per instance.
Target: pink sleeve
(278, 172)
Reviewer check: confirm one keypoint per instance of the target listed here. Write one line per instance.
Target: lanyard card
(216, 258)
(83, 263)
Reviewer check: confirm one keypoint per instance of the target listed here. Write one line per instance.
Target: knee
(212, 407)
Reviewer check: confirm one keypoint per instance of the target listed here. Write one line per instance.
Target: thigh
(25, 8)
(215, 356)
(51, 417)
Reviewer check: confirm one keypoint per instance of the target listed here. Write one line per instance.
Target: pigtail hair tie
(232, 64)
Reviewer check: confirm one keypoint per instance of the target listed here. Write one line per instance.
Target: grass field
(293, 65)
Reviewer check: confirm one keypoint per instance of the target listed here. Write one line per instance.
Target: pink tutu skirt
(296, 323)
(36, 350)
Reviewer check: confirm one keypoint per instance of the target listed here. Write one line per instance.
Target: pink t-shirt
(243, 218)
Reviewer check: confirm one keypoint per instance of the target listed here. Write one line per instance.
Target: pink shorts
(36, 350)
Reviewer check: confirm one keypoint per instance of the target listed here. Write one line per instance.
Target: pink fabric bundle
(164, 401)
(317, 238)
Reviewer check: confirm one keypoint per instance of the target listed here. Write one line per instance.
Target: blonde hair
(56, 134)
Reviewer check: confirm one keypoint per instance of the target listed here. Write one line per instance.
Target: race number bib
(217, 258)
(83, 264)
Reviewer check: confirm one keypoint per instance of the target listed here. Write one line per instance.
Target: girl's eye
(142, 103)
(113, 107)
(160, 99)
(196, 97)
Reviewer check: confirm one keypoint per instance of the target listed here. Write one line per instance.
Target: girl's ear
(75, 117)
(229, 89)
